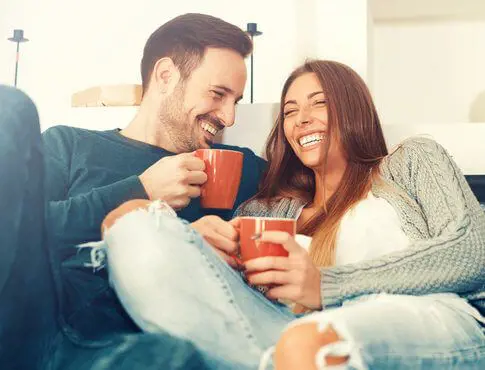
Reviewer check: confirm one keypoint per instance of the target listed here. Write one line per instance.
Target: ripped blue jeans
(168, 278)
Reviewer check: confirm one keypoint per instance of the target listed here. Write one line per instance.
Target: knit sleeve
(451, 260)
(253, 208)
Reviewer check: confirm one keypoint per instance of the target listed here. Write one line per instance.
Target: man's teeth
(209, 128)
(311, 139)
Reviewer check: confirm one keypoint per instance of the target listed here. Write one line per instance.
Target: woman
(395, 270)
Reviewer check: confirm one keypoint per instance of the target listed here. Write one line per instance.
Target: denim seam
(469, 354)
(218, 275)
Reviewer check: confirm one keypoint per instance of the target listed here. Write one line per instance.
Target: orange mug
(223, 169)
(252, 227)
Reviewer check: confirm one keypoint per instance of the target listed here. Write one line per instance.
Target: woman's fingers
(267, 263)
(270, 277)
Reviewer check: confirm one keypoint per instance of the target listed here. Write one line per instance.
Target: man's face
(204, 104)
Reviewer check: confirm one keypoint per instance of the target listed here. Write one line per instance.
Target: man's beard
(176, 123)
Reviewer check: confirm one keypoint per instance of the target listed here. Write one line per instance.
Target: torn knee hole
(334, 350)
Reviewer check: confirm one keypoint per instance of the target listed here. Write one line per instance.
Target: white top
(370, 229)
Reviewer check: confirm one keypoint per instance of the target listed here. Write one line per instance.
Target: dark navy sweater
(87, 174)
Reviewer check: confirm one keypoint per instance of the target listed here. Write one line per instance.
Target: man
(193, 75)
(33, 335)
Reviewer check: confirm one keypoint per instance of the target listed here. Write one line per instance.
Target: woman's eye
(320, 102)
(288, 113)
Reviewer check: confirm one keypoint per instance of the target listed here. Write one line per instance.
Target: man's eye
(217, 94)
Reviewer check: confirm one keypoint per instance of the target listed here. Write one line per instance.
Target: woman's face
(306, 122)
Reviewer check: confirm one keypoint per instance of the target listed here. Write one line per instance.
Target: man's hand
(221, 235)
(175, 179)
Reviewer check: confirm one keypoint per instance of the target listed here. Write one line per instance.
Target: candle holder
(18, 37)
(252, 30)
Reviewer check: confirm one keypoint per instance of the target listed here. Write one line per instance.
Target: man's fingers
(195, 177)
(226, 229)
(220, 242)
(191, 162)
(236, 222)
(194, 191)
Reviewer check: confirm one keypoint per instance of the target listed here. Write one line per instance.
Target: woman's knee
(298, 347)
(142, 237)
(122, 210)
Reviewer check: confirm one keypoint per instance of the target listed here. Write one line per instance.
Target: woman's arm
(452, 260)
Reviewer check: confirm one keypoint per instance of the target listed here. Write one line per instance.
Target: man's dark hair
(185, 39)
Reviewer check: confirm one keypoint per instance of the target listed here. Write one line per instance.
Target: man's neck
(145, 127)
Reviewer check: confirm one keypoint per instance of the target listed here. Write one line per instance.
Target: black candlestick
(252, 30)
(18, 37)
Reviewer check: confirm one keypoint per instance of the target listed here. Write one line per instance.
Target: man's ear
(165, 76)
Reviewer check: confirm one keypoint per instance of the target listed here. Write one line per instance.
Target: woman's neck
(326, 183)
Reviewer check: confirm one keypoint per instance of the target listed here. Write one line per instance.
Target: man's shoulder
(68, 135)
(71, 131)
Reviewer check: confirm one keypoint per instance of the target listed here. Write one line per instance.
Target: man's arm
(77, 219)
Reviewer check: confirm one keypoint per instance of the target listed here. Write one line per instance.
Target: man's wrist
(146, 187)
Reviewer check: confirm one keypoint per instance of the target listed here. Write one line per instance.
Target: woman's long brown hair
(353, 118)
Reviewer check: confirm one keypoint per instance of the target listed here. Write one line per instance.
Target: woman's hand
(221, 235)
(295, 277)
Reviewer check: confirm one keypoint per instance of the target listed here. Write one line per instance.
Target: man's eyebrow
(228, 90)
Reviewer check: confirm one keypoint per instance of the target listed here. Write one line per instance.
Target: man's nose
(227, 114)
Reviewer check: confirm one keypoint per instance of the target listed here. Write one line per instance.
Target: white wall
(429, 71)
(77, 44)
(344, 30)
(423, 62)
(463, 141)
(420, 69)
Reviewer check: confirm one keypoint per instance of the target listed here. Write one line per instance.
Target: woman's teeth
(310, 139)
(209, 128)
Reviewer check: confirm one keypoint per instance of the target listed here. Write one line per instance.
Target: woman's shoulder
(417, 149)
(253, 207)
(282, 207)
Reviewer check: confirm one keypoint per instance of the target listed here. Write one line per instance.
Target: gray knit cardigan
(438, 212)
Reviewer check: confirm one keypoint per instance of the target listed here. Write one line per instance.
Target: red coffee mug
(252, 227)
(223, 169)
